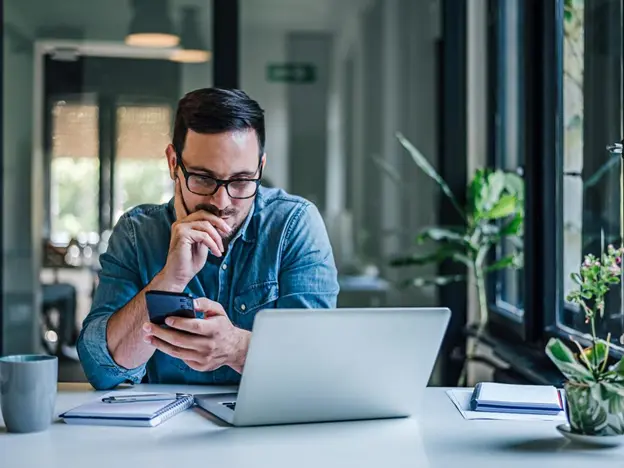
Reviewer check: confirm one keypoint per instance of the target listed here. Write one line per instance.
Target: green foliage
(75, 190)
(428, 169)
(567, 363)
(594, 279)
(75, 184)
(494, 211)
(595, 391)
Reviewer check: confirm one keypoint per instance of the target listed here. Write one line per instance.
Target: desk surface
(439, 437)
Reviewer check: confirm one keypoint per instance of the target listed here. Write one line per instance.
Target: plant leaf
(597, 354)
(394, 174)
(505, 262)
(514, 184)
(613, 394)
(478, 194)
(428, 169)
(505, 207)
(516, 241)
(435, 281)
(413, 260)
(495, 187)
(439, 234)
(513, 227)
(565, 361)
(577, 278)
(436, 257)
(619, 368)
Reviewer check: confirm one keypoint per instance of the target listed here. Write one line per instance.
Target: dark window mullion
(544, 163)
(106, 146)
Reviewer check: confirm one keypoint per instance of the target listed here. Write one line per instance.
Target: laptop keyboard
(229, 404)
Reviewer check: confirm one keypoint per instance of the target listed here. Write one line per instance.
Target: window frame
(504, 318)
(552, 326)
(541, 117)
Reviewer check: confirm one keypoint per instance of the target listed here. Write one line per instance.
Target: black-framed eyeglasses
(204, 185)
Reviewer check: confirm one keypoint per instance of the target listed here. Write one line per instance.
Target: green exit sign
(291, 73)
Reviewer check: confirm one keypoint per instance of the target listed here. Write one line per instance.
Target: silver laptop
(311, 365)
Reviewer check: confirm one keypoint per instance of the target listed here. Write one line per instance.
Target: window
(506, 137)
(140, 170)
(74, 173)
(592, 120)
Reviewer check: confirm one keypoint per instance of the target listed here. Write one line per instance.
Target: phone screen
(162, 304)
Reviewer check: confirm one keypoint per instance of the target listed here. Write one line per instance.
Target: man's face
(231, 155)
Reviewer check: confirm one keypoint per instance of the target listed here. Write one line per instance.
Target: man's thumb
(208, 308)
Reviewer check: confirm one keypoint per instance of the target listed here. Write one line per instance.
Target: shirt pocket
(254, 298)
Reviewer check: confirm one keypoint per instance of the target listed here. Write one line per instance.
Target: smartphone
(163, 304)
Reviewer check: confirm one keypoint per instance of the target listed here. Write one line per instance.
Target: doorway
(105, 123)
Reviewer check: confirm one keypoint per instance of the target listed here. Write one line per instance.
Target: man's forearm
(124, 333)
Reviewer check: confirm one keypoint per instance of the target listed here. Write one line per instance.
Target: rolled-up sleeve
(308, 276)
(119, 283)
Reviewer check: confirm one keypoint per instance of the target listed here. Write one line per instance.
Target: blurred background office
(90, 89)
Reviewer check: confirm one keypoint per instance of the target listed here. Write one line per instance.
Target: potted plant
(594, 389)
(493, 214)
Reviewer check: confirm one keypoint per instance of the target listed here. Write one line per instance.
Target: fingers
(175, 337)
(192, 326)
(216, 247)
(208, 228)
(213, 220)
(180, 211)
(175, 351)
(208, 307)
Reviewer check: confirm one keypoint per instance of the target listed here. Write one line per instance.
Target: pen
(143, 397)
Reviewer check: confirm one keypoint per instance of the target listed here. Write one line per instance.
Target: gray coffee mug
(28, 391)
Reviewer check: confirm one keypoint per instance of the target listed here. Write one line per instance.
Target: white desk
(440, 437)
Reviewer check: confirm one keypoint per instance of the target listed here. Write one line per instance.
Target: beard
(230, 212)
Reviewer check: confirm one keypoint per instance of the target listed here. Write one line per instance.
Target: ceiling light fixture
(193, 48)
(151, 25)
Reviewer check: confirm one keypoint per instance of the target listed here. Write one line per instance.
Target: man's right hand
(192, 237)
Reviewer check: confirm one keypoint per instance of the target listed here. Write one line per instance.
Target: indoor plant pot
(592, 412)
(594, 389)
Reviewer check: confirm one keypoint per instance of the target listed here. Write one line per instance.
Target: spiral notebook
(143, 413)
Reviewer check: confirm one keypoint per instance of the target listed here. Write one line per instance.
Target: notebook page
(142, 410)
(523, 394)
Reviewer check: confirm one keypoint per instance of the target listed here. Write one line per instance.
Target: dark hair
(216, 110)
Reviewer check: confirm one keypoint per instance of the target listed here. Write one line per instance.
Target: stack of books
(522, 399)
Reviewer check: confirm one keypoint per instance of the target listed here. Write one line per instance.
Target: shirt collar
(245, 232)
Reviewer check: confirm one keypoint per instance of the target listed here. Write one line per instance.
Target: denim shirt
(280, 258)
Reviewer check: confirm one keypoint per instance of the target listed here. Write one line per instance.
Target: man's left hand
(203, 344)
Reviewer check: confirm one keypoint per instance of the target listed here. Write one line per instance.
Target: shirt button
(224, 266)
(243, 307)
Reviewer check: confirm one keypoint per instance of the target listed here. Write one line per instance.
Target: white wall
(408, 104)
(260, 47)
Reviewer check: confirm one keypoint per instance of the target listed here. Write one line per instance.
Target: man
(234, 245)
